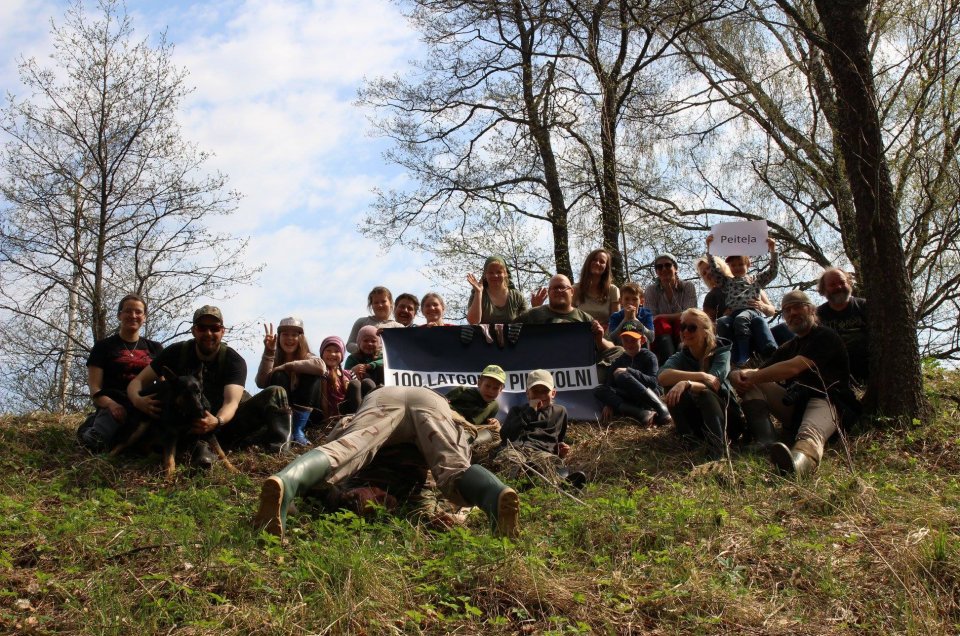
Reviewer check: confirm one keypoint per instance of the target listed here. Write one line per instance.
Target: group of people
(716, 373)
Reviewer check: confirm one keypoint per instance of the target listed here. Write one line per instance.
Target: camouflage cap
(208, 310)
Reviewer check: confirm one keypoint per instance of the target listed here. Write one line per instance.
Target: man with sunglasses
(236, 418)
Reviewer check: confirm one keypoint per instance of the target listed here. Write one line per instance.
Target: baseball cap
(290, 323)
(795, 297)
(632, 330)
(208, 310)
(495, 372)
(540, 377)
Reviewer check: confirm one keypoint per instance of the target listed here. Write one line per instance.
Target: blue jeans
(747, 328)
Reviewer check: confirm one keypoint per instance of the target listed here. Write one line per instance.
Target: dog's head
(187, 397)
(181, 395)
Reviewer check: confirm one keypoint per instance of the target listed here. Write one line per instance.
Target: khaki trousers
(819, 418)
(396, 415)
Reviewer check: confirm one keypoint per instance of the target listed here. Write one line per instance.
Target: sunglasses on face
(208, 328)
(688, 326)
(662, 266)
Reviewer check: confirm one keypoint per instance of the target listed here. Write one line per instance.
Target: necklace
(130, 350)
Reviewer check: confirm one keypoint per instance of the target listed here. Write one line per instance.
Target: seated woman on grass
(667, 298)
(303, 388)
(700, 398)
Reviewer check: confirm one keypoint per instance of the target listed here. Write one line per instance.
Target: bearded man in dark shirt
(816, 371)
(847, 315)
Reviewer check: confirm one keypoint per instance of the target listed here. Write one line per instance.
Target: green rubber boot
(481, 488)
(281, 489)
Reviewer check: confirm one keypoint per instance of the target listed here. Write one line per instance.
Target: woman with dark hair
(303, 388)
(494, 299)
(112, 363)
(667, 298)
(595, 293)
(700, 398)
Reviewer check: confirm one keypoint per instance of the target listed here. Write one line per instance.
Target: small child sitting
(632, 388)
(633, 312)
(741, 296)
(533, 436)
(479, 404)
(366, 365)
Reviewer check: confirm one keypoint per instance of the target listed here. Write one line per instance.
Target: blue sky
(275, 85)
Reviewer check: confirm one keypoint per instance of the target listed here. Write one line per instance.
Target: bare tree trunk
(69, 346)
(896, 384)
(538, 109)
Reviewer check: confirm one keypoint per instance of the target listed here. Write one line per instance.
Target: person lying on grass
(389, 417)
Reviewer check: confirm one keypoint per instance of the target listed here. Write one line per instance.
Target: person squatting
(717, 375)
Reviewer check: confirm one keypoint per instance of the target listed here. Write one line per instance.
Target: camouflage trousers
(519, 460)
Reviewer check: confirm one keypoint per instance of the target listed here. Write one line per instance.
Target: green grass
(91, 545)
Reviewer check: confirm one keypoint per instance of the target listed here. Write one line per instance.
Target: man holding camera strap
(816, 371)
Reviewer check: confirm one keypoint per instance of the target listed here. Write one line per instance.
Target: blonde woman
(699, 396)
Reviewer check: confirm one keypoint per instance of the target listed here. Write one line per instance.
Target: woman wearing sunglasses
(700, 398)
(667, 298)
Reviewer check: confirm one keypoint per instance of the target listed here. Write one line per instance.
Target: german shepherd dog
(182, 402)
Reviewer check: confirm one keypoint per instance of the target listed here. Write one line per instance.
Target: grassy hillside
(870, 545)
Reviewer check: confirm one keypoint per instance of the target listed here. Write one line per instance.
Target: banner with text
(441, 358)
(739, 238)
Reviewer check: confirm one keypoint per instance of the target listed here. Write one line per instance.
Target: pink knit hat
(333, 340)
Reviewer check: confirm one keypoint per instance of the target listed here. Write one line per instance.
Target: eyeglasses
(208, 328)
(560, 288)
(660, 266)
(688, 326)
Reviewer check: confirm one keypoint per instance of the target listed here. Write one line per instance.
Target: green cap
(495, 372)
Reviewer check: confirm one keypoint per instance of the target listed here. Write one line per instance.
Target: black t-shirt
(851, 325)
(121, 362)
(825, 348)
(209, 372)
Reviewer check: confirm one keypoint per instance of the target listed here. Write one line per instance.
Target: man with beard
(847, 315)
(816, 371)
(560, 309)
(262, 419)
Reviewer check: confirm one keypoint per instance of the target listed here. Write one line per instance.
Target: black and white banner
(439, 358)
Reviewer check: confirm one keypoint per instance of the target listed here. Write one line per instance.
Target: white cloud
(275, 84)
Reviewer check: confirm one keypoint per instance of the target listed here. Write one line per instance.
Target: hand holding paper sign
(740, 238)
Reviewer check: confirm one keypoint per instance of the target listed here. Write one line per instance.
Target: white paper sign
(739, 238)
